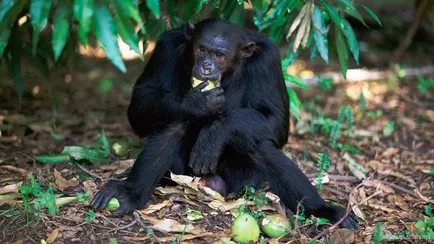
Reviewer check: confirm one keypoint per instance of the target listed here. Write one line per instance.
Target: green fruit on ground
(113, 204)
(275, 225)
(245, 229)
(120, 148)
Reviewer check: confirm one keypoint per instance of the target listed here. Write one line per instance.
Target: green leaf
(61, 26)
(104, 30)
(52, 158)
(319, 34)
(342, 51)
(126, 31)
(8, 14)
(128, 8)
(290, 55)
(5, 32)
(95, 156)
(373, 15)
(154, 6)
(294, 102)
(39, 10)
(237, 15)
(172, 10)
(296, 80)
(259, 4)
(377, 237)
(351, 10)
(5, 6)
(352, 40)
(83, 12)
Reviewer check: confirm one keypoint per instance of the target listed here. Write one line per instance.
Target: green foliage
(44, 198)
(91, 215)
(424, 228)
(362, 103)
(325, 83)
(314, 25)
(259, 198)
(377, 236)
(389, 128)
(83, 197)
(97, 153)
(424, 84)
(346, 113)
(428, 209)
(323, 165)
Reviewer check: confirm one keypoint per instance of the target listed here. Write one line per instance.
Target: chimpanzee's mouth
(215, 80)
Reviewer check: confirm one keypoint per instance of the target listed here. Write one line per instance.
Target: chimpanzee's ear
(189, 30)
(248, 49)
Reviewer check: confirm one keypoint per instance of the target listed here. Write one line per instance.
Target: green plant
(323, 165)
(259, 198)
(314, 25)
(91, 215)
(425, 228)
(44, 198)
(424, 84)
(377, 236)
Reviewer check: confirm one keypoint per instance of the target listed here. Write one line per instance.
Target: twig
(337, 192)
(138, 219)
(88, 171)
(347, 212)
(400, 188)
(125, 226)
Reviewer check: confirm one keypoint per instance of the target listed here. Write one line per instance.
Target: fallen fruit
(120, 148)
(210, 85)
(113, 204)
(275, 225)
(245, 229)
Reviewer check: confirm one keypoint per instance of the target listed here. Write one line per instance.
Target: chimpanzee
(231, 134)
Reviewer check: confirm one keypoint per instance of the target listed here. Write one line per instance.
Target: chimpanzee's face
(213, 56)
(217, 49)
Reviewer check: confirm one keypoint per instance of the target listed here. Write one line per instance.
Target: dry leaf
(13, 188)
(124, 165)
(226, 206)
(63, 183)
(357, 169)
(390, 152)
(342, 236)
(155, 207)
(22, 172)
(52, 236)
(170, 225)
(297, 21)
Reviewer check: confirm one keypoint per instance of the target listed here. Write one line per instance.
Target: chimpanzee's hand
(119, 190)
(203, 104)
(206, 151)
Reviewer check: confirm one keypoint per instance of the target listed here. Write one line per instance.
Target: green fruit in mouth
(210, 85)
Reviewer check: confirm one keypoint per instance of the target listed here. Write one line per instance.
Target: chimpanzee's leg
(285, 179)
(161, 152)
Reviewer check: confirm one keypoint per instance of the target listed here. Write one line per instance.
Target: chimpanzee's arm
(156, 96)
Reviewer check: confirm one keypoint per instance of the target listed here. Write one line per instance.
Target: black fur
(240, 143)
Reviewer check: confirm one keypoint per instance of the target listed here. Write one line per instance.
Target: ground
(383, 164)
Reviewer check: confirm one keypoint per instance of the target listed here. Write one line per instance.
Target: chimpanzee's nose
(206, 70)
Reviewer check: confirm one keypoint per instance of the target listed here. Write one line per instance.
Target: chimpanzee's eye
(202, 49)
(219, 54)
